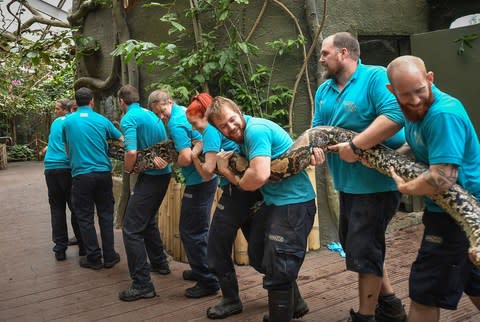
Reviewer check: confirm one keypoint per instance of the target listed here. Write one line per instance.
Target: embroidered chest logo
(349, 106)
(418, 139)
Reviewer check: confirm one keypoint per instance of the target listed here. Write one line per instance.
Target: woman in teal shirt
(234, 209)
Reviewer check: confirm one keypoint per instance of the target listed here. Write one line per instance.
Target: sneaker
(199, 291)
(162, 269)
(113, 262)
(189, 275)
(72, 241)
(133, 294)
(85, 263)
(357, 317)
(390, 309)
(60, 256)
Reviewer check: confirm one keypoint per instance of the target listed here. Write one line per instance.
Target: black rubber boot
(357, 317)
(390, 309)
(230, 303)
(280, 306)
(300, 307)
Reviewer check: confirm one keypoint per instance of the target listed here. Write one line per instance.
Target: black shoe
(230, 303)
(113, 262)
(390, 309)
(133, 294)
(357, 317)
(162, 269)
(199, 291)
(81, 252)
(280, 306)
(189, 275)
(60, 256)
(300, 307)
(85, 263)
(72, 241)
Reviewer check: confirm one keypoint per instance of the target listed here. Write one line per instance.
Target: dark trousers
(59, 185)
(141, 236)
(363, 221)
(90, 190)
(194, 222)
(286, 231)
(234, 210)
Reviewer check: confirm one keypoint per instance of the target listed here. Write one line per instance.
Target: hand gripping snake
(461, 205)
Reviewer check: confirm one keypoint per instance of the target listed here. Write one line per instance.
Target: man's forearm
(381, 129)
(130, 160)
(433, 181)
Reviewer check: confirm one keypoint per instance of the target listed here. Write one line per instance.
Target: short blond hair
(159, 96)
(216, 108)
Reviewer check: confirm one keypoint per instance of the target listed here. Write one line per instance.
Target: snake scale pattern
(461, 205)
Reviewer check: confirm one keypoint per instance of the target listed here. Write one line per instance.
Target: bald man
(441, 135)
(354, 97)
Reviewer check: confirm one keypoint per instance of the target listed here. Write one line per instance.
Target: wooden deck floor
(34, 287)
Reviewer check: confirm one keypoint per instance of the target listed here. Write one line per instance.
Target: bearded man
(441, 135)
(355, 97)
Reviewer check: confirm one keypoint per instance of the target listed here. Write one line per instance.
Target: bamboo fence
(3, 156)
(169, 219)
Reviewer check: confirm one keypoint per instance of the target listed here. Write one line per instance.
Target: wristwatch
(355, 148)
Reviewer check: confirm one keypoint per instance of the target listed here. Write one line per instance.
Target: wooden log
(3, 156)
(241, 249)
(313, 241)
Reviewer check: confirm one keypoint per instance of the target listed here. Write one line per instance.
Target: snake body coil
(462, 206)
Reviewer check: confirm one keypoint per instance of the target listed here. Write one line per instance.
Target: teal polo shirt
(56, 157)
(264, 138)
(85, 134)
(446, 136)
(141, 129)
(355, 107)
(214, 141)
(182, 134)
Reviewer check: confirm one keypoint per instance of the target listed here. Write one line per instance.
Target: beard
(416, 114)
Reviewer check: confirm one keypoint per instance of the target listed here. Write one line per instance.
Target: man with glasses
(198, 196)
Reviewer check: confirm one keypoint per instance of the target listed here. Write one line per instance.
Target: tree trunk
(129, 75)
(327, 196)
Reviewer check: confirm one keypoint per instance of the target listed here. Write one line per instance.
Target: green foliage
(104, 3)
(34, 76)
(466, 40)
(86, 45)
(20, 152)
(220, 61)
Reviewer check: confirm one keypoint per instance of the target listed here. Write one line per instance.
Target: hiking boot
(189, 275)
(230, 303)
(85, 263)
(199, 291)
(133, 294)
(300, 307)
(162, 269)
(60, 256)
(280, 306)
(112, 262)
(390, 309)
(357, 317)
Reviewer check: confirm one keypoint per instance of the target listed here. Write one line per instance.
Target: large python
(462, 206)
